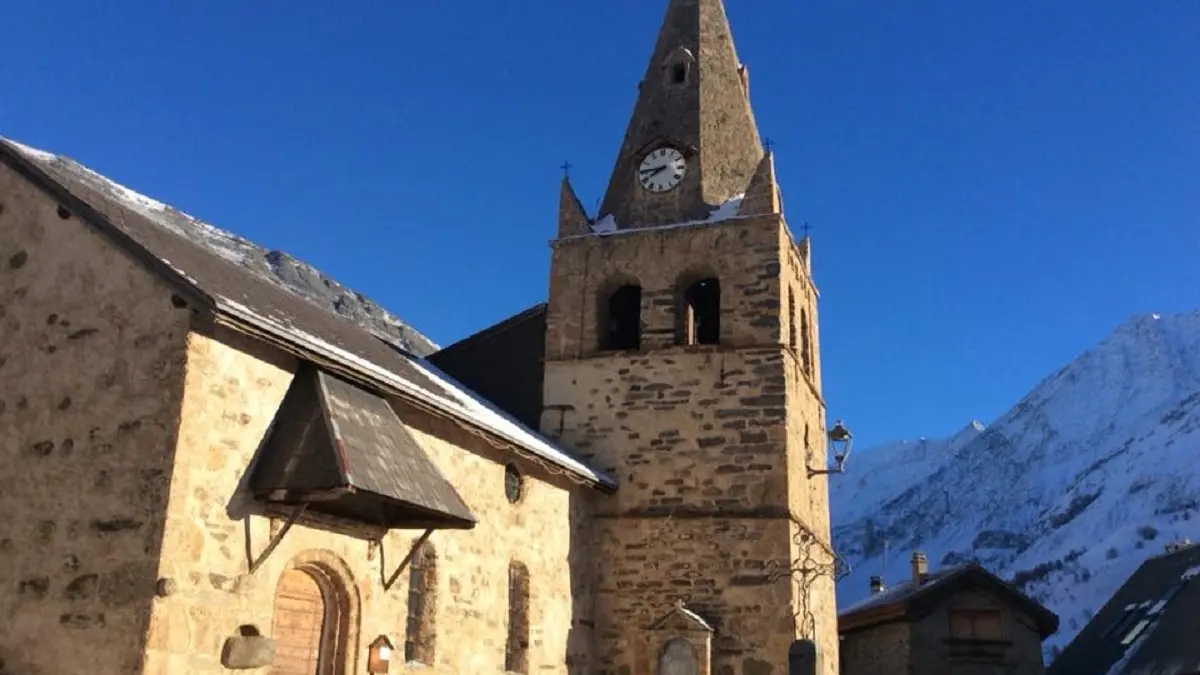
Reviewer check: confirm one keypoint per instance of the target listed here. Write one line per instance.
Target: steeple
(694, 101)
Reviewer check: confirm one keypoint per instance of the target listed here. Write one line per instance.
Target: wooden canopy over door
(299, 627)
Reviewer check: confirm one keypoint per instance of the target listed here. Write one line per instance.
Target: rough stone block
(243, 652)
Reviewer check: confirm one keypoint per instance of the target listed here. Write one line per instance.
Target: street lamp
(840, 439)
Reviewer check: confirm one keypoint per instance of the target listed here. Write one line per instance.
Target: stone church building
(207, 471)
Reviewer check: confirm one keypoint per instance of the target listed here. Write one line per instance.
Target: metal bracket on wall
(276, 537)
(389, 581)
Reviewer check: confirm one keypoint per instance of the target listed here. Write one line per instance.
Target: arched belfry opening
(699, 320)
(621, 319)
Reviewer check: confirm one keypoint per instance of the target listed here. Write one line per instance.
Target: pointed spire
(694, 99)
(572, 218)
(762, 196)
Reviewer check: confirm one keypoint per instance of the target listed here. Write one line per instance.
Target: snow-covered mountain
(1066, 494)
(276, 266)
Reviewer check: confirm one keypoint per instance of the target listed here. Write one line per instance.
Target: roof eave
(179, 282)
(234, 316)
(231, 315)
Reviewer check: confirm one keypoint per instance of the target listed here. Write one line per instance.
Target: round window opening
(512, 483)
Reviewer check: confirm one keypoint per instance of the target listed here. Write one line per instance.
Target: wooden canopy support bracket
(276, 537)
(389, 581)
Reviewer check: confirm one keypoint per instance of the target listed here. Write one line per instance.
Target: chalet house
(1148, 627)
(961, 620)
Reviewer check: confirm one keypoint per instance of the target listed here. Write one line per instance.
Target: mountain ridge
(1065, 493)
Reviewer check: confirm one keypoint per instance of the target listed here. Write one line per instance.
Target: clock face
(662, 170)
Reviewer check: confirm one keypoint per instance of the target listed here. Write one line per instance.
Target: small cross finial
(566, 167)
(767, 144)
(806, 228)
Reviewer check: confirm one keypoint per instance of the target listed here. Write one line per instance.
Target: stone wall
(703, 440)
(879, 650)
(807, 448)
(92, 348)
(233, 388)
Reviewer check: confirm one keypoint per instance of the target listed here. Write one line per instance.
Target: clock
(662, 169)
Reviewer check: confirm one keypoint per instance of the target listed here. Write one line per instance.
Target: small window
(1122, 622)
(791, 319)
(805, 348)
(622, 322)
(701, 313)
(512, 484)
(679, 73)
(516, 652)
(976, 624)
(1133, 634)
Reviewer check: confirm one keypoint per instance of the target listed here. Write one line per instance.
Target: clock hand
(653, 172)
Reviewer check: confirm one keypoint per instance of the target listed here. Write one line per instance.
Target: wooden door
(299, 625)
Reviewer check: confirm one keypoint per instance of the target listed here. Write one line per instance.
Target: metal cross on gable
(566, 167)
(806, 228)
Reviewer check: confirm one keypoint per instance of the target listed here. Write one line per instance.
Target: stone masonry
(92, 350)
(706, 116)
(706, 441)
(129, 425)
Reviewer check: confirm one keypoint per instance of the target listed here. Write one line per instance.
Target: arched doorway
(310, 623)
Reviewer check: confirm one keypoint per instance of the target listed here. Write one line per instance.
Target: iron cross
(566, 167)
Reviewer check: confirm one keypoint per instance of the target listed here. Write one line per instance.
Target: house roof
(1148, 626)
(905, 602)
(251, 303)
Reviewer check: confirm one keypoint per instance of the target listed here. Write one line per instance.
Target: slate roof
(249, 302)
(504, 363)
(343, 451)
(904, 601)
(1147, 627)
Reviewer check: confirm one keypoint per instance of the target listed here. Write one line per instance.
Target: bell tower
(682, 356)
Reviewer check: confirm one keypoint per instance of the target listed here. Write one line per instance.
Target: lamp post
(840, 439)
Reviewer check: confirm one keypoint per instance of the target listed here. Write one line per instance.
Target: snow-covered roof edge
(238, 314)
(607, 226)
(473, 410)
(234, 248)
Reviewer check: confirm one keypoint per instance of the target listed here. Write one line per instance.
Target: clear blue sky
(993, 185)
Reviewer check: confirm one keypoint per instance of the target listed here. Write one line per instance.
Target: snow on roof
(272, 316)
(486, 414)
(276, 267)
(462, 403)
(726, 211)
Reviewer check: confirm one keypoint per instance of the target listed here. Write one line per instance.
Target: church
(207, 471)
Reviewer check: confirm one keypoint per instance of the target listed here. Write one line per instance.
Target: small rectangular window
(1133, 634)
(1122, 622)
(976, 624)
